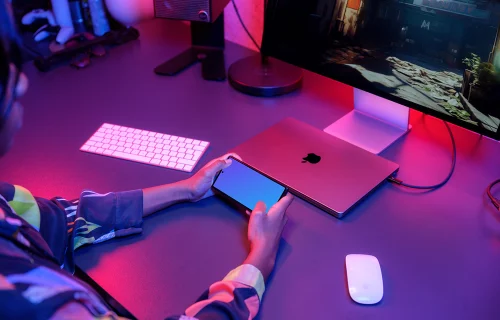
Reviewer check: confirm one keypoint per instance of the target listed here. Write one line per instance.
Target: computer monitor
(441, 57)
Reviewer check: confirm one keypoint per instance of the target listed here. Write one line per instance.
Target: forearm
(262, 261)
(161, 197)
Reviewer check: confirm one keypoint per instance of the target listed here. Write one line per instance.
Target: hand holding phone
(245, 186)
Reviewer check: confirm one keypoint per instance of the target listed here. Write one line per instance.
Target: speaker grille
(182, 9)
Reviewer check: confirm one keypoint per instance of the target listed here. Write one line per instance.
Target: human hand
(199, 185)
(264, 234)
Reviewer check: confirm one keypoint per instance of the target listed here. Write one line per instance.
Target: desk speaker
(191, 10)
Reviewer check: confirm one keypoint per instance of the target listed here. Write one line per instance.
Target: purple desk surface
(439, 251)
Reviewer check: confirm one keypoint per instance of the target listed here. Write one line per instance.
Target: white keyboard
(158, 149)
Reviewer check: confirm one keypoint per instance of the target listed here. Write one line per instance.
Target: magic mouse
(364, 278)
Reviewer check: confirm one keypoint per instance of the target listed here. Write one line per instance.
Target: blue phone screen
(248, 186)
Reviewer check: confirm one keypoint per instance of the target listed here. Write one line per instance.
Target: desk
(439, 251)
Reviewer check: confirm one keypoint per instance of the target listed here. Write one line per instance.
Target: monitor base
(207, 40)
(264, 77)
(374, 124)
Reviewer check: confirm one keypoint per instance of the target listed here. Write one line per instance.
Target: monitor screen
(441, 57)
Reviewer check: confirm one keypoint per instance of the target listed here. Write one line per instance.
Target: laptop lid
(322, 169)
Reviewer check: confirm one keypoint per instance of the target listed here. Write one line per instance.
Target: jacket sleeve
(236, 297)
(67, 225)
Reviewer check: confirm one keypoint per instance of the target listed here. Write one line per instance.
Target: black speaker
(191, 10)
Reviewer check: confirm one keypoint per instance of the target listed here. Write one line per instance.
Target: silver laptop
(326, 171)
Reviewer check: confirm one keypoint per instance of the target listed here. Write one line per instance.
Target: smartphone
(244, 186)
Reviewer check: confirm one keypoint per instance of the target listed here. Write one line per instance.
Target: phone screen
(247, 186)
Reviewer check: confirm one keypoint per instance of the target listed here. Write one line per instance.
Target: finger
(279, 208)
(227, 155)
(217, 165)
(260, 207)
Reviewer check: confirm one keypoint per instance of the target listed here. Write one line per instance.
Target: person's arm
(239, 294)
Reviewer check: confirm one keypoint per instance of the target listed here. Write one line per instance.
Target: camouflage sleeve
(236, 297)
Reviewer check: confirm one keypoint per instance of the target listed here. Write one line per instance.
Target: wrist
(264, 260)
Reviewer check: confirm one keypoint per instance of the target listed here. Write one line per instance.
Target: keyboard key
(158, 150)
(165, 158)
(164, 163)
(157, 156)
(159, 140)
(99, 134)
(152, 144)
(150, 149)
(144, 143)
(108, 152)
(130, 135)
(128, 145)
(135, 151)
(150, 155)
(172, 164)
(92, 149)
(158, 135)
(179, 166)
(113, 147)
(173, 154)
(143, 148)
(85, 147)
(123, 134)
(143, 153)
(99, 150)
(106, 141)
(166, 152)
(160, 146)
(182, 145)
(105, 146)
(189, 146)
(167, 147)
(188, 168)
(155, 161)
(90, 143)
(122, 139)
(189, 141)
(182, 150)
(97, 139)
(127, 150)
(190, 151)
(120, 149)
(99, 144)
(151, 139)
(188, 162)
(166, 136)
(188, 157)
(135, 146)
(198, 148)
(120, 144)
(173, 159)
(175, 148)
(181, 155)
(129, 140)
(151, 134)
(174, 138)
(113, 142)
(196, 142)
(107, 125)
(181, 139)
(203, 143)
(130, 129)
(174, 143)
(131, 157)
(144, 138)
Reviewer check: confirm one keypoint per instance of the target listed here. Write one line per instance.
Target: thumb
(218, 165)
(260, 208)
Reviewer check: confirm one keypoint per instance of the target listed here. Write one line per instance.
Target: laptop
(326, 171)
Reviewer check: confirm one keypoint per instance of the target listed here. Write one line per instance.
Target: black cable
(442, 183)
(494, 201)
(244, 26)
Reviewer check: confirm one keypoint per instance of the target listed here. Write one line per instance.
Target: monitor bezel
(268, 48)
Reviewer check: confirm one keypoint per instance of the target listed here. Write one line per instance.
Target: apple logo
(311, 158)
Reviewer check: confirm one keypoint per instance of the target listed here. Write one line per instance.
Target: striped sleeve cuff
(248, 275)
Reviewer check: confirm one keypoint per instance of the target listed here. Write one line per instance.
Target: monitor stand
(374, 124)
(207, 40)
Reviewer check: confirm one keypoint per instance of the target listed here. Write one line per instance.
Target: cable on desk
(494, 201)
(442, 183)
(244, 26)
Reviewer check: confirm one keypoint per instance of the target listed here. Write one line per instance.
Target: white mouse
(364, 278)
